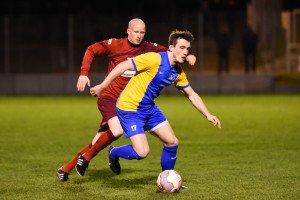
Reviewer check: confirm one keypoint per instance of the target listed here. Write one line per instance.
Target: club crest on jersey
(172, 77)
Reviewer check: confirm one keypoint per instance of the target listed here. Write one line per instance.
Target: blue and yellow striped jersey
(153, 73)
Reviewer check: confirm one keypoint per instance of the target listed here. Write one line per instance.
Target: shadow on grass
(125, 180)
(139, 183)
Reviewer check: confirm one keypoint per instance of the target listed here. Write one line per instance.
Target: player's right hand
(82, 82)
(96, 90)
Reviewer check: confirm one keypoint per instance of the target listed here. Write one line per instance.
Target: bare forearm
(199, 104)
(117, 71)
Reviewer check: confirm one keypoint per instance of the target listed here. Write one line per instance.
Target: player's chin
(182, 60)
(137, 42)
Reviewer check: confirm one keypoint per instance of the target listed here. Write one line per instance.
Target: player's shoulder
(147, 43)
(151, 55)
(114, 41)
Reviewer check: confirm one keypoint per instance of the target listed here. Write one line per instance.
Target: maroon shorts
(107, 108)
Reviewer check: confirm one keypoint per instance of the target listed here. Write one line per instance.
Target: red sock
(72, 163)
(103, 141)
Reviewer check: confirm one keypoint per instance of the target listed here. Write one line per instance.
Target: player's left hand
(96, 90)
(191, 59)
(82, 82)
(214, 120)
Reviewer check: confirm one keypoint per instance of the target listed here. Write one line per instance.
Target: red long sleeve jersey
(117, 50)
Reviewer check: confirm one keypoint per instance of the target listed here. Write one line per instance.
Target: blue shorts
(137, 122)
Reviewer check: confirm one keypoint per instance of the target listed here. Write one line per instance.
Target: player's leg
(169, 154)
(138, 150)
(107, 107)
(133, 126)
(99, 143)
(113, 131)
(161, 128)
(63, 172)
(105, 138)
(71, 164)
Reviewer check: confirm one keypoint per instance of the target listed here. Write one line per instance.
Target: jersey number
(133, 127)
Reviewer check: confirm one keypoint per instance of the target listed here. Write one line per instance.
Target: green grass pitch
(256, 154)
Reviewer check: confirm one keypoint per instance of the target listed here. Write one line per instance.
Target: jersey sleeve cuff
(181, 87)
(134, 66)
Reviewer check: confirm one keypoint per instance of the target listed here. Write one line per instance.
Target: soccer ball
(169, 181)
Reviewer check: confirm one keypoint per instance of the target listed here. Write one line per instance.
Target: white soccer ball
(169, 181)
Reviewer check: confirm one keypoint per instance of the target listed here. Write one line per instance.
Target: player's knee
(176, 142)
(173, 142)
(143, 153)
(117, 133)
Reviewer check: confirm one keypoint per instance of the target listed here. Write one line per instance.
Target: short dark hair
(177, 34)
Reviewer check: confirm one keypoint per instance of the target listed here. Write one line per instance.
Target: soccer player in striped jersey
(117, 50)
(136, 109)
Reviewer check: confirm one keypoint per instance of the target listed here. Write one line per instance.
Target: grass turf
(254, 156)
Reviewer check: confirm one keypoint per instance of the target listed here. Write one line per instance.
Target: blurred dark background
(50, 37)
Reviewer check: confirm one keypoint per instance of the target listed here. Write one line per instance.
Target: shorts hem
(158, 126)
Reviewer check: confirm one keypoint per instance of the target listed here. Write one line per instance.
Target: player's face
(136, 33)
(181, 50)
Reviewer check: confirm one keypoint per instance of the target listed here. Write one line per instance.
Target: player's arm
(117, 71)
(82, 81)
(199, 105)
(98, 48)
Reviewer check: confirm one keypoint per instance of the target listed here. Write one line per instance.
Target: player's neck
(171, 58)
(133, 45)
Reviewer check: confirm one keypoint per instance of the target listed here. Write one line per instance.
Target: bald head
(136, 31)
(136, 22)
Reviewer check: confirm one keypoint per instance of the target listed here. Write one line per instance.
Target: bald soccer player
(110, 129)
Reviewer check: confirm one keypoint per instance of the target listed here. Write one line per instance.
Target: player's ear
(171, 47)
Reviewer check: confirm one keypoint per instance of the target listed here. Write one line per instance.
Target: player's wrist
(206, 114)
